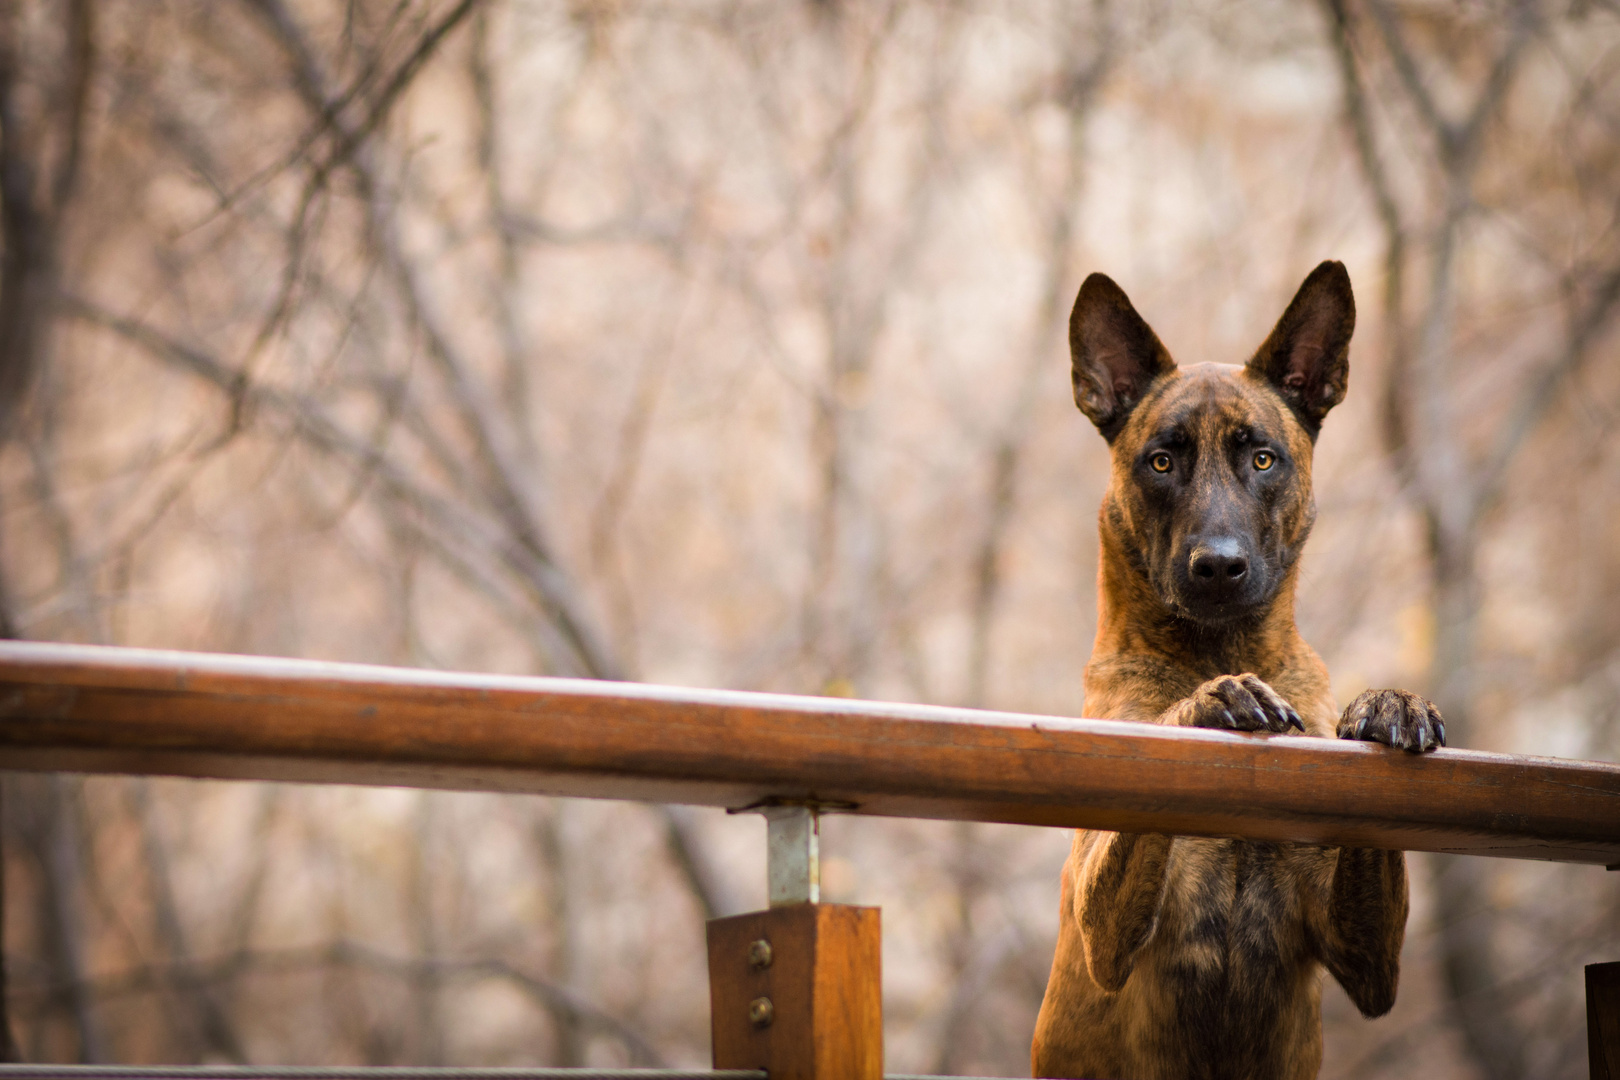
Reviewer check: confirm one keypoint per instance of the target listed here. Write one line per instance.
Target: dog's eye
(1264, 459)
(1160, 462)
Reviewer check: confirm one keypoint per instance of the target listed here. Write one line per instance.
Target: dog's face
(1211, 490)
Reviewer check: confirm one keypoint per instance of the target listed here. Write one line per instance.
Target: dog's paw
(1394, 718)
(1239, 703)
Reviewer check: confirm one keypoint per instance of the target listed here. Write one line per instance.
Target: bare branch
(81, 56)
(1531, 404)
(558, 1000)
(468, 543)
(1395, 419)
(1456, 141)
(1406, 67)
(28, 261)
(1486, 106)
(215, 1033)
(54, 833)
(483, 422)
(714, 892)
(1076, 89)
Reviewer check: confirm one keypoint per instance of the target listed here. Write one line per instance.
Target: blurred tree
(46, 70)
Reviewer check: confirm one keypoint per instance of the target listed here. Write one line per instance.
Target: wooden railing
(103, 710)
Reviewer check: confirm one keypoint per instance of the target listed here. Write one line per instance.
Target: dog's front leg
(1361, 921)
(1358, 923)
(1118, 882)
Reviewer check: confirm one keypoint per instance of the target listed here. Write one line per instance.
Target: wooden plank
(88, 709)
(1603, 1020)
(798, 991)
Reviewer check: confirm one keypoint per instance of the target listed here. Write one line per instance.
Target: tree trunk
(1465, 919)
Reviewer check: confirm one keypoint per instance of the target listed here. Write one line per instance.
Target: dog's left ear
(1307, 357)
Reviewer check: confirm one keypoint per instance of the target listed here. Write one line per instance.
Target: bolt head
(759, 954)
(761, 1012)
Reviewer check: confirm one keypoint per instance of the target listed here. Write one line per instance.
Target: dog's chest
(1230, 946)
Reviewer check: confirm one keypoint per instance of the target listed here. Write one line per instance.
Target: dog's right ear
(1116, 355)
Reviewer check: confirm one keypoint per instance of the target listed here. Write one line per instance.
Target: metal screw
(761, 1012)
(759, 954)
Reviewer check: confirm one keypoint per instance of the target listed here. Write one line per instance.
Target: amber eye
(1160, 462)
(1264, 459)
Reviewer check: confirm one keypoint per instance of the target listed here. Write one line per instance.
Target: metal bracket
(793, 845)
(792, 854)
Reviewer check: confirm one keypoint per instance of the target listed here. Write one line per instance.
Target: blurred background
(720, 343)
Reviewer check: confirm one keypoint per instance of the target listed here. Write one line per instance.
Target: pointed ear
(1307, 357)
(1116, 355)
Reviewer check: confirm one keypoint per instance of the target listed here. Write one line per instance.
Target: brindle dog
(1190, 958)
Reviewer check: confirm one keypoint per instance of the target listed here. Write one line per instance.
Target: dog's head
(1211, 491)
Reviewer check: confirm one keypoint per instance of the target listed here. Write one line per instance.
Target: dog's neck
(1133, 621)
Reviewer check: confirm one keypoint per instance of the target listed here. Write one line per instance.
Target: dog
(1180, 957)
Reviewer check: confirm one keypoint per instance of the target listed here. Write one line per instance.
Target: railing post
(797, 990)
(1603, 1020)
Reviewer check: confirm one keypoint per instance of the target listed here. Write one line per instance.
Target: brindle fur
(1191, 958)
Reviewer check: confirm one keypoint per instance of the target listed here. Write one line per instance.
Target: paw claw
(1239, 703)
(1395, 718)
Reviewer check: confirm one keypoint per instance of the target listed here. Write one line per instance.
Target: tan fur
(1180, 957)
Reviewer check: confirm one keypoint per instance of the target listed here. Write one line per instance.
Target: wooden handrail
(104, 710)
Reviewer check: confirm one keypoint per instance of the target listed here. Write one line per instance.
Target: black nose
(1219, 562)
